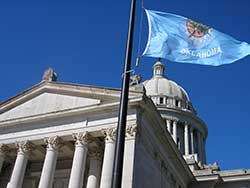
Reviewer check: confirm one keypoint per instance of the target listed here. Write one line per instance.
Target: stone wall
(155, 158)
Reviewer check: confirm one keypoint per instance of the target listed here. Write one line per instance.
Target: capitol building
(62, 135)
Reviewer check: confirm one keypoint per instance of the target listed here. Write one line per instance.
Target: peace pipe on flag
(183, 40)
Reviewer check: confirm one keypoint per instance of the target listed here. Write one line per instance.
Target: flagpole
(122, 118)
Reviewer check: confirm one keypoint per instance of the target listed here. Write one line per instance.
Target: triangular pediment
(48, 97)
(47, 103)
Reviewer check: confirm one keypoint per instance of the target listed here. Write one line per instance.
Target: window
(176, 102)
(161, 100)
(158, 71)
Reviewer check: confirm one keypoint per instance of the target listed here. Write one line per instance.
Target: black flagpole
(122, 118)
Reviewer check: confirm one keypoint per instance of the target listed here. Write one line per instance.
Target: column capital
(131, 131)
(82, 138)
(24, 146)
(109, 134)
(79, 160)
(175, 121)
(95, 153)
(53, 142)
(18, 172)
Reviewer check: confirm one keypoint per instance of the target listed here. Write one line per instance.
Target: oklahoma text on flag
(183, 40)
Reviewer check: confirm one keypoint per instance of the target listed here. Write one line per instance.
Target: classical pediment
(47, 103)
(47, 98)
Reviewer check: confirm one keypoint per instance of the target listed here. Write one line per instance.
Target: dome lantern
(159, 68)
(159, 86)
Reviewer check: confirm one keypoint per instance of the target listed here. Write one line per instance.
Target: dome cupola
(164, 91)
(188, 131)
(158, 69)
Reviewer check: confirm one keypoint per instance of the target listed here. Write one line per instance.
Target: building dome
(188, 131)
(160, 86)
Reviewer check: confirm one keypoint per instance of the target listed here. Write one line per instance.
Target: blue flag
(179, 39)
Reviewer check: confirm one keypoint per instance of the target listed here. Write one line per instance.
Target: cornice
(65, 88)
(87, 110)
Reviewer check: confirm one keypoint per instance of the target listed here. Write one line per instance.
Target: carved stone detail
(135, 79)
(131, 131)
(82, 138)
(49, 75)
(213, 167)
(53, 142)
(109, 134)
(24, 146)
(95, 153)
(3, 149)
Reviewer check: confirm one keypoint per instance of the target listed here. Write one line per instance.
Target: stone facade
(72, 143)
(59, 135)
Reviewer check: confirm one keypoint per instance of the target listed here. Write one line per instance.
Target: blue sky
(84, 42)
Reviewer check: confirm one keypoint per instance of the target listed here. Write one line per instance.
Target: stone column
(95, 165)
(173, 102)
(16, 180)
(168, 125)
(49, 166)
(164, 100)
(3, 150)
(79, 160)
(108, 159)
(192, 139)
(186, 137)
(129, 156)
(179, 103)
(175, 131)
